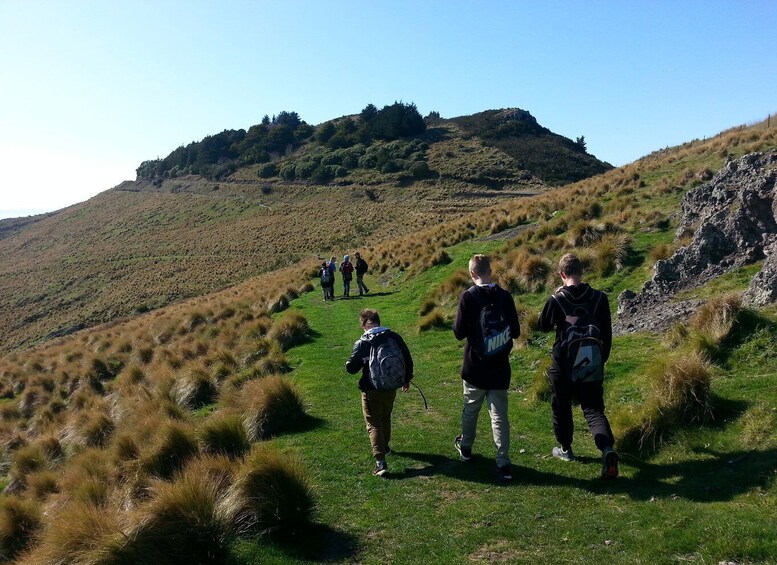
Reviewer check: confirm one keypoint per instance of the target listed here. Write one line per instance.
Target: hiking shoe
(564, 455)
(504, 472)
(609, 464)
(380, 468)
(464, 452)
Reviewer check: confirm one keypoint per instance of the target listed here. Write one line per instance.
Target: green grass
(704, 497)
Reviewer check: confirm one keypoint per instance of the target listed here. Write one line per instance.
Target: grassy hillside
(149, 243)
(117, 422)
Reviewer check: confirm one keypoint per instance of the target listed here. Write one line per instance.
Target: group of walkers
(488, 321)
(327, 276)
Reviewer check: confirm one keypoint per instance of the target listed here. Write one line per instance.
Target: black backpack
(581, 343)
(493, 330)
(386, 365)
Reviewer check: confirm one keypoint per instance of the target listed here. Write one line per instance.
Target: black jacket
(553, 317)
(360, 355)
(488, 373)
(361, 267)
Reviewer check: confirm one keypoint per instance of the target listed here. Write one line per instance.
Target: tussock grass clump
(184, 522)
(270, 406)
(42, 483)
(427, 306)
(224, 435)
(80, 533)
(174, 446)
(270, 493)
(290, 330)
(540, 390)
(194, 389)
(661, 252)
(27, 459)
(759, 423)
(584, 233)
(611, 252)
(681, 387)
(716, 318)
(125, 448)
(96, 428)
(20, 521)
(434, 319)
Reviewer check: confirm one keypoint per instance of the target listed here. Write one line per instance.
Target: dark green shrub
(267, 170)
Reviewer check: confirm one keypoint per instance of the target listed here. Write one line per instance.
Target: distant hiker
(386, 365)
(327, 281)
(581, 318)
(333, 269)
(487, 319)
(361, 270)
(346, 268)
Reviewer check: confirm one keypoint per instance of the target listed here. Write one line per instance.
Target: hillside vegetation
(161, 429)
(175, 233)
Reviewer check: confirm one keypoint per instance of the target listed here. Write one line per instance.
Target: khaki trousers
(377, 406)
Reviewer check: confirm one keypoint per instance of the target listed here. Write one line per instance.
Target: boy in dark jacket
(346, 268)
(573, 300)
(361, 270)
(486, 368)
(377, 404)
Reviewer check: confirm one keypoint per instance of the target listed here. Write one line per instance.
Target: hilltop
(141, 438)
(240, 203)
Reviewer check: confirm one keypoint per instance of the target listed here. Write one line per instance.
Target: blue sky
(90, 89)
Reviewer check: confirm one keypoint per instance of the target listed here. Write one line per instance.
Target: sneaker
(564, 455)
(609, 464)
(504, 472)
(464, 452)
(380, 468)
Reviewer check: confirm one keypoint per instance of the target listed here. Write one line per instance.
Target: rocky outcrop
(733, 219)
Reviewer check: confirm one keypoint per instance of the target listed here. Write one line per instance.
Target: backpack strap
(559, 298)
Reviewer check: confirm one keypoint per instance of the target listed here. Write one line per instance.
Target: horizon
(84, 110)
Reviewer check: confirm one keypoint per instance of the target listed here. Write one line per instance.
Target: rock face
(733, 218)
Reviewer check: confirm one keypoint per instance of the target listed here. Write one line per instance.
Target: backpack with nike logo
(493, 330)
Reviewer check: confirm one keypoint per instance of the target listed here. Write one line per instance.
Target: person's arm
(460, 324)
(546, 322)
(605, 326)
(356, 360)
(406, 356)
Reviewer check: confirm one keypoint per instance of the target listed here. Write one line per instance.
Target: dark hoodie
(487, 373)
(360, 355)
(553, 317)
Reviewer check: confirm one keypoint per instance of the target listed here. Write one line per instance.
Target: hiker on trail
(581, 318)
(361, 270)
(327, 281)
(333, 269)
(386, 365)
(346, 268)
(487, 319)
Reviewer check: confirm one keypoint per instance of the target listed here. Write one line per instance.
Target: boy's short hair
(368, 315)
(570, 264)
(480, 264)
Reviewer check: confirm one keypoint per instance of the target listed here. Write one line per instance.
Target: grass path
(704, 498)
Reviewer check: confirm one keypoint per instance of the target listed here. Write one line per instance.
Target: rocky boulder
(733, 219)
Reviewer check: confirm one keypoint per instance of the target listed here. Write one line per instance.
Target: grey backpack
(387, 365)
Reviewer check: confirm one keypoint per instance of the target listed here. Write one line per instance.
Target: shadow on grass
(365, 296)
(316, 542)
(301, 424)
(715, 477)
(310, 543)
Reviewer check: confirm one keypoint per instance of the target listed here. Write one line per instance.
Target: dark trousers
(591, 398)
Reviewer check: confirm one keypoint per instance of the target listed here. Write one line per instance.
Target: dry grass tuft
(681, 387)
(270, 406)
(270, 493)
(194, 389)
(224, 435)
(434, 319)
(290, 330)
(174, 446)
(20, 521)
(759, 423)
